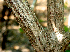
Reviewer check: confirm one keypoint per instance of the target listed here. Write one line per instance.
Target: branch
(41, 41)
(33, 4)
(29, 23)
(55, 15)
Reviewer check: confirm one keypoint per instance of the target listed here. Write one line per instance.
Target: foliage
(40, 20)
(69, 45)
(64, 19)
(67, 51)
(65, 5)
(21, 31)
(65, 28)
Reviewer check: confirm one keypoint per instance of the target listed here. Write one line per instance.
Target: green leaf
(64, 18)
(40, 20)
(65, 28)
(67, 51)
(21, 30)
(69, 30)
(69, 45)
(65, 5)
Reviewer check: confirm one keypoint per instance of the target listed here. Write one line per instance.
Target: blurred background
(13, 38)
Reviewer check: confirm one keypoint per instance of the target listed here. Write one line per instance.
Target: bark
(55, 15)
(42, 41)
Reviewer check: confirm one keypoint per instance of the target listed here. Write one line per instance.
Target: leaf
(64, 18)
(65, 28)
(40, 20)
(69, 30)
(21, 30)
(65, 5)
(67, 51)
(69, 45)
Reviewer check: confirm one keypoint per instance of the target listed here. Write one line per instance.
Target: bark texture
(53, 40)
